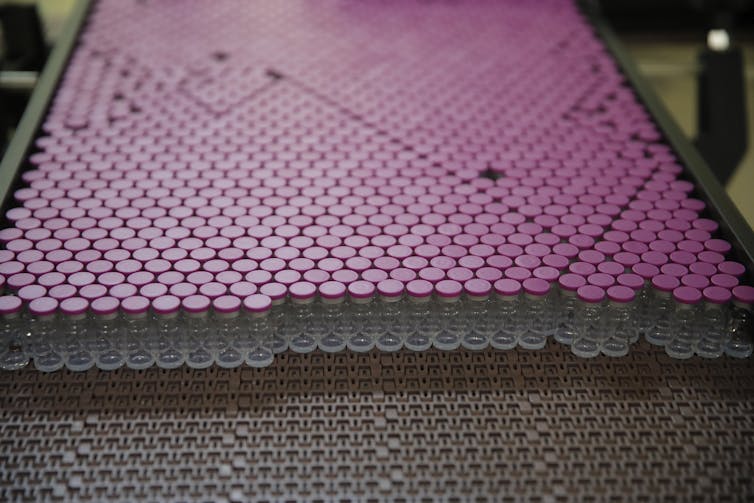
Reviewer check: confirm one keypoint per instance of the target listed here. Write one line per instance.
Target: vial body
(660, 311)
(619, 329)
(566, 330)
(328, 327)
(589, 330)
(741, 331)
(509, 323)
(683, 331)
(261, 339)
(364, 326)
(301, 338)
(395, 325)
(713, 331)
(453, 325)
(136, 330)
(421, 330)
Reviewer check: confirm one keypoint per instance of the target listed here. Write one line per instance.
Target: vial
(569, 283)
(257, 308)
(137, 332)
(449, 313)
(661, 309)
(539, 313)
(328, 327)
(302, 295)
(684, 322)
(109, 346)
(423, 327)
(169, 332)
(195, 314)
(394, 314)
(713, 329)
(225, 332)
(509, 321)
(13, 355)
(479, 308)
(619, 326)
(75, 326)
(44, 334)
(278, 316)
(588, 317)
(741, 323)
(365, 326)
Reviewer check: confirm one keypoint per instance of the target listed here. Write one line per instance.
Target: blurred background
(698, 55)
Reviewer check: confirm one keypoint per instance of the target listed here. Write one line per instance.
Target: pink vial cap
(704, 268)
(536, 286)
(695, 280)
(546, 273)
(243, 289)
(687, 295)
(611, 268)
(302, 290)
(619, 293)
(136, 304)
(274, 291)
(591, 294)
(744, 294)
(166, 304)
(74, 306)
(477, 287)
(43, 306)
(730, 267)
(571, 281)
(361, 289)
(724, 280)
(332, 290)
(717, 295)
(390, 288)
(665, 282)
(257, 303)
(633, 281)
(105, 305)
(646, 271)
(448, 288)
(195, 303)
(10, 304)
(226, 304)
(420, 288)
(507, 287)
(31, 292)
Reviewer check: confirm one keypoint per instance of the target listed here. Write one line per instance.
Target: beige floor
(669, 65)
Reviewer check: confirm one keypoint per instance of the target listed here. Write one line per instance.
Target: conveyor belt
(517, 425)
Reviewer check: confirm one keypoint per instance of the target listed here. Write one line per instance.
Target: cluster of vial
(219, 183)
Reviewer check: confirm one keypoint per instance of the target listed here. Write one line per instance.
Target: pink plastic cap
(391, 288)
(135, 304)
(448, 288)
(507, 287)
(43, 306)
(166, 304)
(361, 289)
(196, 304)
(10, 304)
(257, 303)
(332, 290)
(226, 304)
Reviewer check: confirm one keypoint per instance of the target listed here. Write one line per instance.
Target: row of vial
(229, 332)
